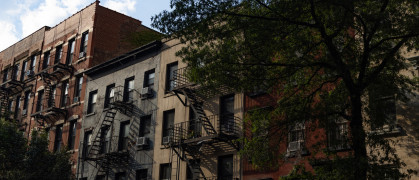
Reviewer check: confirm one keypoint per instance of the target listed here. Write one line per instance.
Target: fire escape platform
(13, 86)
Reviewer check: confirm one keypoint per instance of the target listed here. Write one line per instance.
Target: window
(227, 113)
(338, 135)
(51, 98)
(170, 76)
(83, 44)
(87, 142)
(100, 177)
(168, 121)
(296, 137)
(129, 89)
(33, 63)
(17, 107)
(64, 94)
(110, 95)
(145, 126)
(39, 102)
(382, 107)
(149, 79)
(22, 73)
(15, 72)
(58, 138)
(77, 89)
(165, 171)
(141, 174)
(10, 106)
(105, 138)
(123, 135)
(92, 102)
(195, 126)
(58, 54)
(191, 169)
(121, 176)
(26, 101)
(45, 63)
(384, 113)
(5, 75)
(70, 52)
(72, 134)
(225, 167)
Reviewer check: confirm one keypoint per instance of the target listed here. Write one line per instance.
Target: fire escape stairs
(4, 98)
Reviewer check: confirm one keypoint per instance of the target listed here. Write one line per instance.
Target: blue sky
(20, 18)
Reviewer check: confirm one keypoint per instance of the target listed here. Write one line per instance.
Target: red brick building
(43, 74)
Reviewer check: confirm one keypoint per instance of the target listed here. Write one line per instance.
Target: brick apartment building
(43, 74)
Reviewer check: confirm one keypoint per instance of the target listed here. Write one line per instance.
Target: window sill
(168, 94)
(75, 104)
(80, 60)
(339, 149)
(393, 131)
(90, 114)
(302, 152)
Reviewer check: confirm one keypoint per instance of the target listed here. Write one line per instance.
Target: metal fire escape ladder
(4, 99)
(197, 107)
(105, 124)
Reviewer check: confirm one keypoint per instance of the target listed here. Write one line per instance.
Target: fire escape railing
(50, 108)
(190, 131)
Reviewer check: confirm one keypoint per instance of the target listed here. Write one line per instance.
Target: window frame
(147, 78)
(166, 128)
(32, 66)
(65, 94)
(72, 129)
(91, 105)
(145, 126)
(78, 88)
(123, 135)
(170, 78)
(46, 59)
(39, 100)
(22, 73)
(129, 92)
(84, 42)
(70, 51)
(58, 139)
(163, 169)
(110, 95)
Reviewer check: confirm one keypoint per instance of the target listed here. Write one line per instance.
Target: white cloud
(7, 35)
(122, 6)
(48, 13)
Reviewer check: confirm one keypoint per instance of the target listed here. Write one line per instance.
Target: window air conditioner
(82, 54)
(294, 146)
(167, 140)
(29, 73)
(76, 99)
(146, 92)
(24, 112)
(141, 141)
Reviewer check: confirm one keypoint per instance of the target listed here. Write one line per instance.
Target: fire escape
(100, 151)
(190, 139)
(47, 109)
(11, 86)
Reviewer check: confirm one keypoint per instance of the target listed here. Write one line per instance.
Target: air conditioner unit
(24, 112)
(82, 54)
(141, 141)
(76, 99)
(30, 73)
(146, 92)
(167, 140)
(294, 146)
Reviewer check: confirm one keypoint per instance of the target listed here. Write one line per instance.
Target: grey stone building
(119, 116)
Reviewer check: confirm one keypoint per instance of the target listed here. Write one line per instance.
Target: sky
(20, 18)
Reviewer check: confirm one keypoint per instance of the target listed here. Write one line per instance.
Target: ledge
(90, 114)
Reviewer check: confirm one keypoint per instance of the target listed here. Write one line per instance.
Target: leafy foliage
(33, 161)
(143, 37)
(319, 58)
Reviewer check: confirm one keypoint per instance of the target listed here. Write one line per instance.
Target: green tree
(319, 57)
(33, 161)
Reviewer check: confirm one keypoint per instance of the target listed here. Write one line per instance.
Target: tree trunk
(358, 139)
